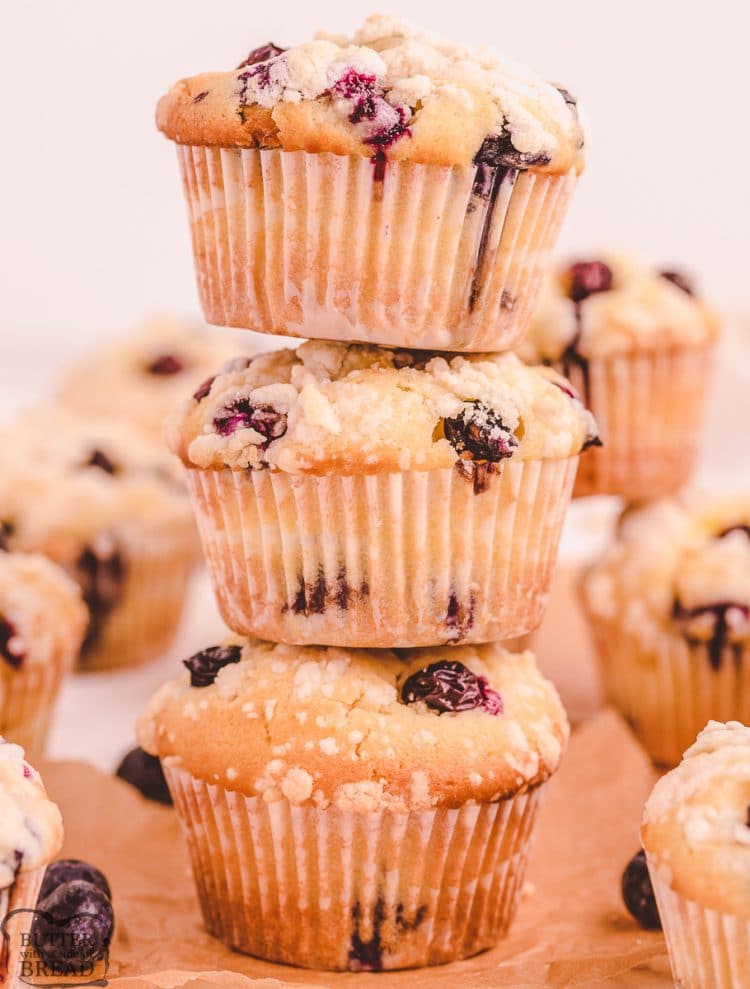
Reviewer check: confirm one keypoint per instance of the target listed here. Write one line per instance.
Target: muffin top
(142, 377)
(41, 612)
(390, 90)
(30, 824)
(696, 826)
(360, 729)
(615, 305)
(679, 566)
(351, 409)
(66, 479)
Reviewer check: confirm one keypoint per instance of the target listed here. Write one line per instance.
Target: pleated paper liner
(708, 949)
(668, 690)
(383, 560)
(27, 700)
(338, 248)
(649, 408)
(17, 903)
(144, 621)
(333, 889)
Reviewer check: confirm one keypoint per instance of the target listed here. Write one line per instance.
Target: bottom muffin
(361, 810)
(696, 835)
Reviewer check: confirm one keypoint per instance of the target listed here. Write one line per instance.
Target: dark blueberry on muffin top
(449, 686)
(205, 665)
(587, 278)
(480, 432)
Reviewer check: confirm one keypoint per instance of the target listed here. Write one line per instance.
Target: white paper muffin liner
(708, 949)
(649, 408)
(414, 558)
(142, 624)
(317, 245)
(668, 690)
(333, 889)
(27, 701)
(17, 903)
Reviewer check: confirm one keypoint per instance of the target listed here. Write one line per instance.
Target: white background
(93, 232)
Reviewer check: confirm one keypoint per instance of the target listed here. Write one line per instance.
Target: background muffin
(104, 503)
(358, 496)
(140, 378)
(30, 837)
(380, 803)
(696, 833)
(637, 344)
(388, 188)
(42, 624)
(669, 606)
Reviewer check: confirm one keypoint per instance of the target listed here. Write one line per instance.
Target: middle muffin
(357, 496)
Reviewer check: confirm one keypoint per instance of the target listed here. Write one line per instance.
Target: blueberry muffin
(696, 833)
(142, 377)
(42, 624)
(30, 837)
(388, 188)
(637, 344)
(669, 606)
(357, 810)
(100, 500)
(352, 495)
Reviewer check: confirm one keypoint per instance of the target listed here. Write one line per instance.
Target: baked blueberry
(6, 531)
(67, 870)
(165, 364)
(101, 575)
(680, 280)
(205, 665)
(242, 414)
(144, 772)
(638, 893)
(479, 431)
(498, 150)
(10, 647)
(204, 389)
(261, 54)
(587, 278)
(100, 459)
(73, 926)
(449, 686)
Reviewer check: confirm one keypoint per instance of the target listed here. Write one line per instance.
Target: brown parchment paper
(571, 930)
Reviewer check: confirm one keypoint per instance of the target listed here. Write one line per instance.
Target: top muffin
(142, 377)
(389, 90)
(614, 305)
(350, 409)
(696, 829)
(30, 824)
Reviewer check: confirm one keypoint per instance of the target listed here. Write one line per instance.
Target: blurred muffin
(638, 346)
(30, 837)
(352, 495)
(357, 810)
(669, 606)
(696, 834)
(42, 625)
(387, 188)
(102, 501)
(142, 377)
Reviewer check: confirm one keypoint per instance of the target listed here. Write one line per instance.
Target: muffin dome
(142, 377)
(682, 567)
(328, 407)
(614, 305)
(360, 730)
(389, 90)
(696, 830)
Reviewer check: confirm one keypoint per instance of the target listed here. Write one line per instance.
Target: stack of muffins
(382, 504)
